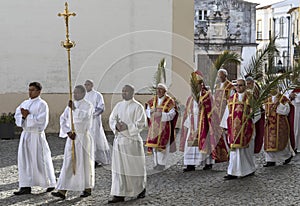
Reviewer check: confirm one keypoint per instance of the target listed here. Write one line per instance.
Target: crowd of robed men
(217, 127)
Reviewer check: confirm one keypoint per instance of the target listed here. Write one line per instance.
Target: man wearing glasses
(240, 129)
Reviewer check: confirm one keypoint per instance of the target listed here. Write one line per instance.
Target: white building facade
(117, 42)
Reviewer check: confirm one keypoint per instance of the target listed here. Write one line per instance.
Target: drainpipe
(288, 50)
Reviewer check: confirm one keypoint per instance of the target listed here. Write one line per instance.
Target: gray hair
(224, 71)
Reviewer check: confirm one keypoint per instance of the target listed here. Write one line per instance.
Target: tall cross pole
(67, 44)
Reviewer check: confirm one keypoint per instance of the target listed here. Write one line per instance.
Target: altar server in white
(34, 156)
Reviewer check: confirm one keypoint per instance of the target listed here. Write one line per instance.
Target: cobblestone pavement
(269, 186)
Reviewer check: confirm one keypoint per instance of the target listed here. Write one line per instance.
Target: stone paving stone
(269, 186)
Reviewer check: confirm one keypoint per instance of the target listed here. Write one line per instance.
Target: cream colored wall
(183, 48)
(180, 55)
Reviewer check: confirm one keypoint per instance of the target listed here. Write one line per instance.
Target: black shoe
(58, 194)
(189, 168)
(142, 194)
(23, 191)
(207, 167)
(269, 164)
(296, 151)
(288, 160)
(50, 189)
(230, 177)
(85, 194)
(116, 199)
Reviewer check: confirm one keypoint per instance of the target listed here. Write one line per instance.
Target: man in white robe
(84, 177)
(241, 160)
(102, 151)
(127, 120)
(34, 156)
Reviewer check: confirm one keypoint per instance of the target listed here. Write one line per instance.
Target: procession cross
(67, 44)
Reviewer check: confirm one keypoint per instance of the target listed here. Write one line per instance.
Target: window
(259, 30)
(281, 26)
(202, 15)
(297, 27)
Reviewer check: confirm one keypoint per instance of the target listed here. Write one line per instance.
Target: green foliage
(159, 76)
(7, 118)
(227, 57)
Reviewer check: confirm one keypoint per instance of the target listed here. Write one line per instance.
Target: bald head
(127, 92)
(79, 92)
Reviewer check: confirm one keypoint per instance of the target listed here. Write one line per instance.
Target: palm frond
(255, 67)
(195, 89)
(159, 76)
(227, 57)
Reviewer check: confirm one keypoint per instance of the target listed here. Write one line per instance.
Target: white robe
(296, 103)
(192, 155)
(128, 158)
(84, 149)
(102, 151)
(287, 152)
(241, 160)
(34, 156)
(159, 157)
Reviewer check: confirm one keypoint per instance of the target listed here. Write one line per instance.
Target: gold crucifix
(68, 45)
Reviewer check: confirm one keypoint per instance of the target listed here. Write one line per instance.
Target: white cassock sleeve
(139, 122)
(39, 119)
(64, 123)
(112, 120)
(18, 117)
(148, 112)
(168, 116)
(283, 109)
(99, 108)
(187, 122)
(223, 123)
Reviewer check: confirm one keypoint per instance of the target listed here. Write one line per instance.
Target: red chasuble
(201, 136)
(277, 128)
(220, 101)
(240, 126)
(160, 133)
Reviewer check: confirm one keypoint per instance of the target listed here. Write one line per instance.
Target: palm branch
(195, 89)
(159, 76)
(225, 58)
(255, 67)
